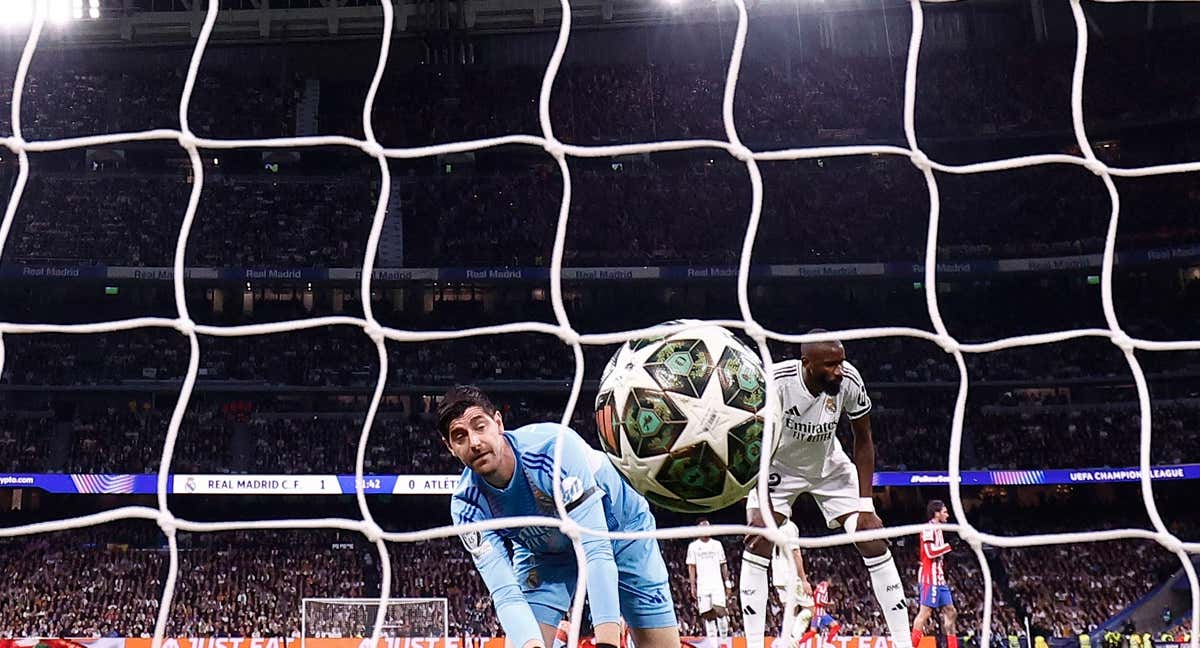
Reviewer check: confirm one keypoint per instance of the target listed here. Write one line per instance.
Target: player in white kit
(815, 392)
(711, 587)
(784, 576)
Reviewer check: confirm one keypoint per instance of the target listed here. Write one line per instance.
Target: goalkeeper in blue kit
(511, 474)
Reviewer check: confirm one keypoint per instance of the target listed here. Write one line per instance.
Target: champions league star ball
(682, 416)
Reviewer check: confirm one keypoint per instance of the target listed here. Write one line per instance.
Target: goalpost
(322, 618)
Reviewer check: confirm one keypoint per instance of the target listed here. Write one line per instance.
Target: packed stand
(133, 219)
(91, 582)
(343, 356)
(266, 436)
(282, 222)
(24, 443)
(638, 215)
(251, 583)
(323, 222)
(65, 97)
(1068, 596)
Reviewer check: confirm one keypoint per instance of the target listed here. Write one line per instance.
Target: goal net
(326, 618)
(356, 617)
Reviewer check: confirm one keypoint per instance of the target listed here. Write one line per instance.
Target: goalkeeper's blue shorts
(548, 582)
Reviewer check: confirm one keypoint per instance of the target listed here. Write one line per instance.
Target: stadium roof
(150, 21)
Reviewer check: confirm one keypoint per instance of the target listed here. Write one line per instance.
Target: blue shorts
(936, 596)
(822, 622)
(644, 588)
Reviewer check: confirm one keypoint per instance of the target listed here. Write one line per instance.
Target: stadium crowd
(655, 210)
(133, 219)
(819, 95)
(645, 214)
(343, 356)
(128, 437)
(121, 219)
(107, 581)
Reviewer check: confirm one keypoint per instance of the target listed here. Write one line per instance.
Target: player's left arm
(584, 501)
(857, 405)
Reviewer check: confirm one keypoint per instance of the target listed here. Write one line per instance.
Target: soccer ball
(682, 416)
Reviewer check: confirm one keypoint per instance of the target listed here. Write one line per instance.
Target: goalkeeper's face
(477, 439)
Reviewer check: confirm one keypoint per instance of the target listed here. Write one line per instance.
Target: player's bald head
(822, 362)
(819, 349)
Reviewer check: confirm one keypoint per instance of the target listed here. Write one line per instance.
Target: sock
(808, 634)
(800, 625)
(951, 641)
(753, 586)
(834, 628)
(917, 636)
(723, 626)
(710, 628)
(889, 591)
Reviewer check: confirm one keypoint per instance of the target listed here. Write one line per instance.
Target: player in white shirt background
(711, 586)
(815, 392)
(784, 576)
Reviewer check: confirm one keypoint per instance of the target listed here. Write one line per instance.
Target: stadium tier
(247, 250)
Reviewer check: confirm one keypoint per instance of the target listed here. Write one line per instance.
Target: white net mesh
(184, 324)
(404, 617)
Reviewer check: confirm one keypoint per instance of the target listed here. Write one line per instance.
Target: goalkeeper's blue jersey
(596, 497)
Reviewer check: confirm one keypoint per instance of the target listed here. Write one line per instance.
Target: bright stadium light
(15, 13)
(60, 11)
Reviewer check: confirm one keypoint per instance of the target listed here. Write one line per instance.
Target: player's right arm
(804, 589)
(856, 403)
(491, 559)
(930, 548)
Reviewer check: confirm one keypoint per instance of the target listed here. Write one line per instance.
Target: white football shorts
(836, 493)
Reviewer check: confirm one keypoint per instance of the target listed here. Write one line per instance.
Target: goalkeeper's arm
(491, 559)
(584, 501)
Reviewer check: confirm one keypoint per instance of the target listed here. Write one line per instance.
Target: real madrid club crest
(830, 404)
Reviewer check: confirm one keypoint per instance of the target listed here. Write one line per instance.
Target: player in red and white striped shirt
(935, 593)
(822, 620)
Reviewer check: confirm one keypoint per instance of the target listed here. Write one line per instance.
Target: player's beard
(832, 387)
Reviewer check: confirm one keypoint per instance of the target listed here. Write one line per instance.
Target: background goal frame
(366, 601)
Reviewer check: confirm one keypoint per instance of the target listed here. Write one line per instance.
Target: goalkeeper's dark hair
(932, 508)
(459, 399)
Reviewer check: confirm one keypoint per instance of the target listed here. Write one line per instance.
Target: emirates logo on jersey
(830, 404)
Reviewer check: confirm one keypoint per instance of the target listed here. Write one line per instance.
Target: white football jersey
(781, 571)
(707, 555)
(808, 445)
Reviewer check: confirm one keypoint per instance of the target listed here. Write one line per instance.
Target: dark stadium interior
(466, 239)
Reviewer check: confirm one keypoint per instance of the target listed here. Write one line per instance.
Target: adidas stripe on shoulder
(851, 372)
(785, 369)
